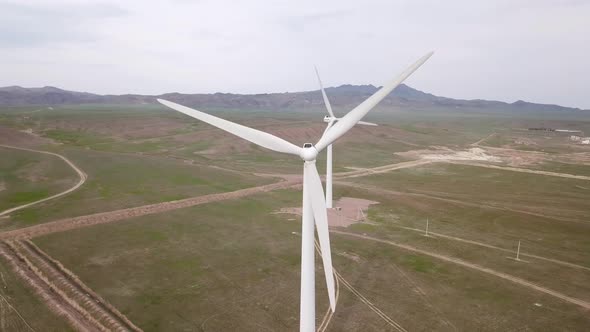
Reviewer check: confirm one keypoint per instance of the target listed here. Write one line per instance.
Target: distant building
(568, 131)
(581, 140)
(542, 129)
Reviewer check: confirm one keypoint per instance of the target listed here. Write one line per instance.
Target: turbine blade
(326, 101)
(366, 123)
(349, 120)
(318, 205)
(258, 137)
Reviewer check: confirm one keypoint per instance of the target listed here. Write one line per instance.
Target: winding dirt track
(81, 174)
(476, 267)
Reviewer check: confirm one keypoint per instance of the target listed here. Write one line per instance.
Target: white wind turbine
(314, 203)
(331, 119)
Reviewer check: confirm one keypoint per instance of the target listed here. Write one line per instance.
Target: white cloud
(506, 50)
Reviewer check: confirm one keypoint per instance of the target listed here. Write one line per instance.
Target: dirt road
(111, 216)
(80, 173)
(381, 169)
(524, 170)
(485, 245)
(105, 217)
(476, 267)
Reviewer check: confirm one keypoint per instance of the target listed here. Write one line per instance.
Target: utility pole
(517, 258)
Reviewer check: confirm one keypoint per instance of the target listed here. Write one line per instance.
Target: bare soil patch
(445, 154)
(16, 137)
(347, 211)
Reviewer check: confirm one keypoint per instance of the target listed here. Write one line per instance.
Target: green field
(118, 181)
(234, 264)
(28, 176)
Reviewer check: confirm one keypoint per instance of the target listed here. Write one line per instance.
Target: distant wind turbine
(331, 119)
(314, 203)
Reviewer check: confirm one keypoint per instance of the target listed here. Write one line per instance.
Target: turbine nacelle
(329, 119)
(309, 152)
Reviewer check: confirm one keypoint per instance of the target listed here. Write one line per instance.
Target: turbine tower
(330, 119)
(314, 211)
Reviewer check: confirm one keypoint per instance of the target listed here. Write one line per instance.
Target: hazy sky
(536, 50)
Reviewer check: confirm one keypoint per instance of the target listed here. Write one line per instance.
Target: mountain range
(344, 95)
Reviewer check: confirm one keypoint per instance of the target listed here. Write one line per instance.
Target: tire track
(476, 267)
(80, 173)
(339, 279)
(424, 296)
(370, 304)
(329, 313)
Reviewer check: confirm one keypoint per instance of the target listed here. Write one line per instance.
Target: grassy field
(28, 176)
(547, 195)
(568, 168)
(234, 265)
(118, 181)
(239, 262)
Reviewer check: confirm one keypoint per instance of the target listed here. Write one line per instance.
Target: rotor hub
(309, 152)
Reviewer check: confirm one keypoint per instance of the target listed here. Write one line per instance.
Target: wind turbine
(330, 119)
(314, 203)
